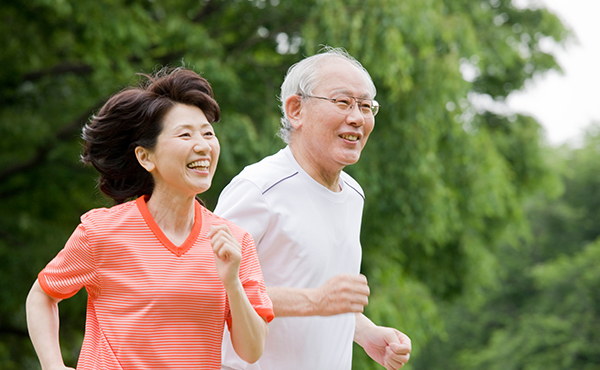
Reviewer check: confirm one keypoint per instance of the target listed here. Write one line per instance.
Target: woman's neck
(173, 214)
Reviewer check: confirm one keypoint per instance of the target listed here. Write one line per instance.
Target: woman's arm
(43, 324)
(248, 329)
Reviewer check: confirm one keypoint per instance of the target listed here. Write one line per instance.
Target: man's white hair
(303, 77)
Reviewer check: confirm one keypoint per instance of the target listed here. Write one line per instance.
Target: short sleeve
(71, 269)
(253, 282)
(242, 203)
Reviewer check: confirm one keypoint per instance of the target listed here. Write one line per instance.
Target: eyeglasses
(345, 104)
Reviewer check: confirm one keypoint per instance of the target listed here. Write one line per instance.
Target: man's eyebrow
(346, 92)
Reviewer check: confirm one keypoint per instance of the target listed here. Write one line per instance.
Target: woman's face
(185, 157)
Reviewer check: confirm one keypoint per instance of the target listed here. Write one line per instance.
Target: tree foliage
(544, 312)
(445, 180)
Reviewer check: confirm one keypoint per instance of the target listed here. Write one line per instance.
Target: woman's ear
(293, 109)
(144, 158)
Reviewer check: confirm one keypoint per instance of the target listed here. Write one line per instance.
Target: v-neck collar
(187, 244)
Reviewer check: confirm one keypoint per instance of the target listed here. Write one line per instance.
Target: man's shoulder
(268, 172)
(212, 218)
(352, 183)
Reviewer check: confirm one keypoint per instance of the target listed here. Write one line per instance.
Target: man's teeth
(201, 164)
(349, 137)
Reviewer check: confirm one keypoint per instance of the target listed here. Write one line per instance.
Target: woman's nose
(201, 145)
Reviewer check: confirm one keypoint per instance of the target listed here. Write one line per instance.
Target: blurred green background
(480, 242)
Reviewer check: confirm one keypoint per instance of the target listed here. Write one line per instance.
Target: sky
(566, 104)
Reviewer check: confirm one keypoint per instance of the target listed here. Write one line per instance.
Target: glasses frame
(357, 101)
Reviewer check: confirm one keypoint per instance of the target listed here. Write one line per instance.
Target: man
(305, 214)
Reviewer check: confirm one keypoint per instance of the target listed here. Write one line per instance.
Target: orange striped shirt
(151, 304)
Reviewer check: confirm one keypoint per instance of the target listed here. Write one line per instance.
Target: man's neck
(328, 178)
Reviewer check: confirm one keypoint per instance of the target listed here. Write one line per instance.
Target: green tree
(444, 181)
(543, 314)
(558, 328)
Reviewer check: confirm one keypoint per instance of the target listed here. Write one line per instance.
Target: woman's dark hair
(134, 117)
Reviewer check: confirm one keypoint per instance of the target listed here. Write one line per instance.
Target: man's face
(331, 137)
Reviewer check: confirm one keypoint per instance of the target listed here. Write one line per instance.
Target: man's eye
(343, 102)
(185, 134)
(366, 107)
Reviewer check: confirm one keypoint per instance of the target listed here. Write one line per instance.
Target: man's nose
(355, 117)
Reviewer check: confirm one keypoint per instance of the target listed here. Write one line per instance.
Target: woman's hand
(228, 254)
(248, 329)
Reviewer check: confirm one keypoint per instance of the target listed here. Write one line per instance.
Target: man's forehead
(346, 85)
(345, 91)
(337, 75)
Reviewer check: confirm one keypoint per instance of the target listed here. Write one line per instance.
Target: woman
(163, 274)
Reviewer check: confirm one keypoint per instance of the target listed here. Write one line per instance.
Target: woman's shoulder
(110, 214)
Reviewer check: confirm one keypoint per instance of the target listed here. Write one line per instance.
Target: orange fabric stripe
(151, 305)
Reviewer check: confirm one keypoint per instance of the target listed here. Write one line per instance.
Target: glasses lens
(344, 103)
(366, 106)
(375, 107)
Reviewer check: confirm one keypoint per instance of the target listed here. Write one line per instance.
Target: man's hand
(342, 294)
(388, 346)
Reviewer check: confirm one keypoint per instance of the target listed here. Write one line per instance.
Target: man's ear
(144, 158)
(293, 109)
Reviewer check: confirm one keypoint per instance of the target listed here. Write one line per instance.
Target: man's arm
(340, 294)
(389, 347)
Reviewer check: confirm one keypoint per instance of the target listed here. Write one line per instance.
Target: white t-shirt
(304, 235)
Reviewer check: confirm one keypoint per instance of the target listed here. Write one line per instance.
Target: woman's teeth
(204, 164)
